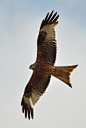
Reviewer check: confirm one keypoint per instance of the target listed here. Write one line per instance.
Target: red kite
(44, 67)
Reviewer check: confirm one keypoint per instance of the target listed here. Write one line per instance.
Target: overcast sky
(60, 106)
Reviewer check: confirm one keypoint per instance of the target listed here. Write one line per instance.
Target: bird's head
(32, 66)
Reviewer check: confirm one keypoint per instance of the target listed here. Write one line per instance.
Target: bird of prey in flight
(44, 67)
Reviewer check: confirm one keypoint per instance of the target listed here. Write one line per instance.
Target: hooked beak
(30, 67)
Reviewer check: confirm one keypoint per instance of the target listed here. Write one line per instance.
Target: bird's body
(44, 67)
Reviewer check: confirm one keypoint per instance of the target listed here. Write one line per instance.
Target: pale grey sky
(60, 106)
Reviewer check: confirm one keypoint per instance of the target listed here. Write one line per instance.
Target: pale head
(32, 66)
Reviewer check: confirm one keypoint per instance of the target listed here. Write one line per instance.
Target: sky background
(60, 106)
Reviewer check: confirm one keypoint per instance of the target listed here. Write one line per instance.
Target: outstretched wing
(46, 51)
(46, 43)
(34, 89)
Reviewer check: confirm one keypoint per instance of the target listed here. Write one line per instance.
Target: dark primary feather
(50, 16)
(49, 19)
(46, 16)
(26, 109)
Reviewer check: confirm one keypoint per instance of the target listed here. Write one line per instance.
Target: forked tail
(63, 73)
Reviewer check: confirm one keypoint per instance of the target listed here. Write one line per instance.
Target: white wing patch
(49, 29)
(28, 101)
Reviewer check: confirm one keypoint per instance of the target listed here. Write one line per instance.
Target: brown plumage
(44, 67)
